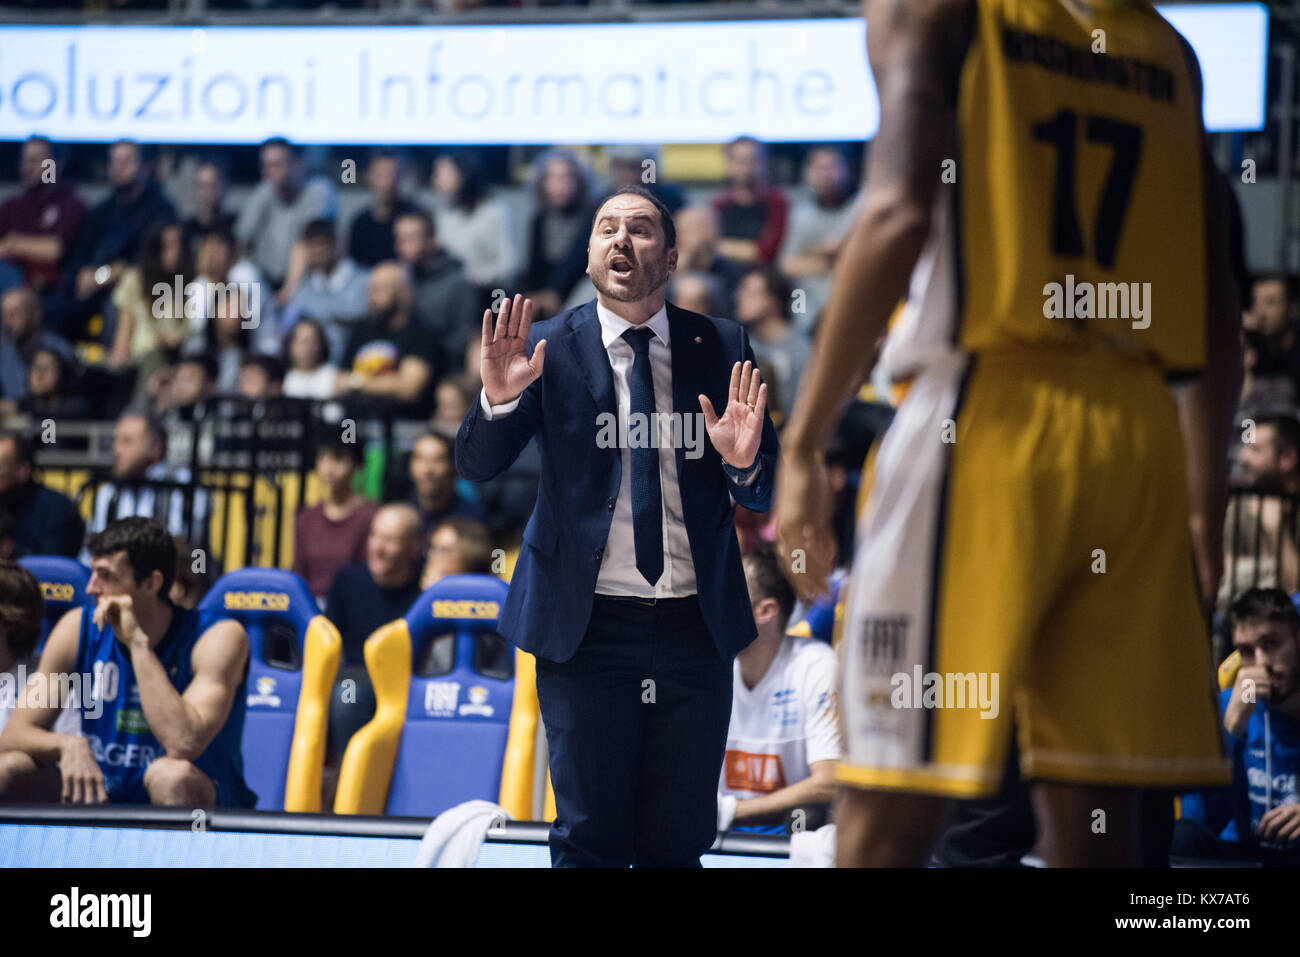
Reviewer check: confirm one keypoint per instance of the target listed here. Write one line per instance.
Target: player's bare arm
(30, 727)
(913, 46)
(1207, 407)
(185, 723)
(817, 788)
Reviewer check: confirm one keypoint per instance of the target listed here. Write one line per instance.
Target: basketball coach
(628, 588)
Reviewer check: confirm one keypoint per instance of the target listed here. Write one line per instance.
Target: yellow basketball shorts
(1023, 565)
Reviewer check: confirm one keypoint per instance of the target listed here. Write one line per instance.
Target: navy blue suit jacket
(554, 581)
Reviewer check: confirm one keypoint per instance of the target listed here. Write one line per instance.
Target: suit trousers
(636, 723)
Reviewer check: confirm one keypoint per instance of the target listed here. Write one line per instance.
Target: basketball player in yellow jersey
(1053, 485)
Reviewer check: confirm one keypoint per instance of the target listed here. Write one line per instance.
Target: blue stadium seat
(63, 586)
(293, 658)
(444, 686)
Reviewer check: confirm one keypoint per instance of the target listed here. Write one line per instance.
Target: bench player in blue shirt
(163, 713)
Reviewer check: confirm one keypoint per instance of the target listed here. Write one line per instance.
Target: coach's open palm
(504, 364)
(738, 433)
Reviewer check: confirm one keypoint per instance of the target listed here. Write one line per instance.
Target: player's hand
(118, 613)
(739, 432)
(805, 541)
(1252, 686)
(1281, 823)
(83, 781)
(504, 365)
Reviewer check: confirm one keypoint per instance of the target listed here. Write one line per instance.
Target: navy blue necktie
(647, 508)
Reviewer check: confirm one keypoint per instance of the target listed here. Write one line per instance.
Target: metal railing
(1262, 542)
(236, 471)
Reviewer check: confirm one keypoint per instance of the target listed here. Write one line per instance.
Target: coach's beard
(643, 281)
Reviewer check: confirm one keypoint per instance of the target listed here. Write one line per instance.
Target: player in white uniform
(784, 738)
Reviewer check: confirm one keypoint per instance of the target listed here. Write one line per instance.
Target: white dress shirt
(618, 571)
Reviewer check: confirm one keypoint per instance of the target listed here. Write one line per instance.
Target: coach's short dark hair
(665, 217)
(769, 582)
(21, 608)
(148, 545)
(1264, 604)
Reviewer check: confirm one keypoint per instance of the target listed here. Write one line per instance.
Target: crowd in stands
(152, 309)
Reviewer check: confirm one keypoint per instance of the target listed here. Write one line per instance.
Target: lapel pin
(698, 339)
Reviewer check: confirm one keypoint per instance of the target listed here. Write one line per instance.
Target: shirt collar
(612, 325)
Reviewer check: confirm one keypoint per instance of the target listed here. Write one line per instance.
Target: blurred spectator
(1271, 353)
(774, 766)
(139, 458)
(209, 215)
(51, 381)
(260, 377)
(1260, 530)
(370, 237)
(39, 225)
(363, 597)
(21, 608)
(751, 214)
(391, 356)
(110, 238)
(333, 532)
(151, 322)
(697, 252)
(762, 299)
(628, 166)
(311, 375)
(818, 226)
(220, 273)
(193, 382)
(446, 303)
(433, 482)
(45, 522)
(226, 339)
(279, 208)
(557, 231)
(22, 333)
(8, 544)
(697, 292)
(1260, 821)
(332, 289)
(453, 396)
(471, 226)
(190, 586)
(457, 546)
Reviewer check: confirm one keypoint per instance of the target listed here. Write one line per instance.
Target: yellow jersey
(1071, 216)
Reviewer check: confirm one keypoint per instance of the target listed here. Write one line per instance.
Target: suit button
(597, 552)
(609, 504)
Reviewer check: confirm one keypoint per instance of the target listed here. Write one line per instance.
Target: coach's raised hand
(737, 434)
(504, 364)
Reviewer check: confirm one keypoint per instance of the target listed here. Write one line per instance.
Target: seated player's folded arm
(219, 657)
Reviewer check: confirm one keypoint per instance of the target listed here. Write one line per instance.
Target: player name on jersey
(1082, 63)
